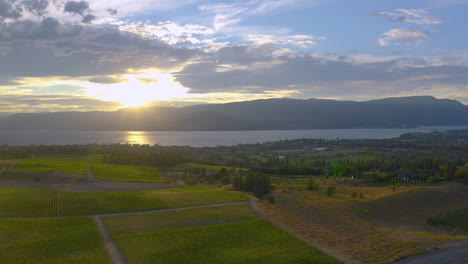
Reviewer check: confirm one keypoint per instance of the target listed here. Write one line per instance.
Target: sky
(108, 54)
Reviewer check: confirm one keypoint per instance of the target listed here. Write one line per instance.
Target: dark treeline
(254, 182)
(142, 155)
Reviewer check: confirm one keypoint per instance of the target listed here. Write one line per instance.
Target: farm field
(228, 234)
(370, 224)
(80, 165)
(51, 240)
(41, 202)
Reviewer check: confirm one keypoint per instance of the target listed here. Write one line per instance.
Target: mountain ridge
(263, 114)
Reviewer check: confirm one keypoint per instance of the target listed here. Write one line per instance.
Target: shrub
(312, 185)
(331, 190)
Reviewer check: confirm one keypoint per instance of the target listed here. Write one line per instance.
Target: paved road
(450, 256)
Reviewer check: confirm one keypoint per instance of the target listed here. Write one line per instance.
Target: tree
(450, 171)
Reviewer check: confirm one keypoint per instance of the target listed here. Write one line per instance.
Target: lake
(198, 138)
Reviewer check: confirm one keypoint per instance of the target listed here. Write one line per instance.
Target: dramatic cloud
(243, 70)
(417, 16)
(403, 36)
(88, 55)
(51, 48)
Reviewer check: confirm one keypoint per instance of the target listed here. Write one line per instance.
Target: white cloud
(169, 32)
(416, 16)
(302, 41)
(230, 14)
(403, 36)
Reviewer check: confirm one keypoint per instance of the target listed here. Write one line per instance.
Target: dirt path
(112, 249)
(343, 257)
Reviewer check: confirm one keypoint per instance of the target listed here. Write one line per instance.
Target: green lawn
(80, 165)
(41, 202)
(230, 234)
(50, 240)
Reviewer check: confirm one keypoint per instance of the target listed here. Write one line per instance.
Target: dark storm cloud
(76, 7)
(112, 11)
(88, 18)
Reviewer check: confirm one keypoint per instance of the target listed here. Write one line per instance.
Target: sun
(139, 89)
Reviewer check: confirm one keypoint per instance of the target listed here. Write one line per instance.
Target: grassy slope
(30, 202)
(355, 226)
(50, 240)
(79, 165)
(230, 234)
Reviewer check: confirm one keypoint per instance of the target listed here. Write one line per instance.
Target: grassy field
(41, 202)
(376, 225)
(50, 240)
(229, 234)
(80, 165)
(70, 164)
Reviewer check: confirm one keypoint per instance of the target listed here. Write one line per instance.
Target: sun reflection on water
(137, 137)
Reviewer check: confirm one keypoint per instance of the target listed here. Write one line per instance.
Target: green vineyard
(228, 234)
(42, 202)
(51, 240)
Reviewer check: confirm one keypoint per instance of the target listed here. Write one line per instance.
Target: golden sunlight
(137, 137)
(140, 88)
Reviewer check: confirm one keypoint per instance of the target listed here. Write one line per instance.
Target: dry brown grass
(370, 229)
